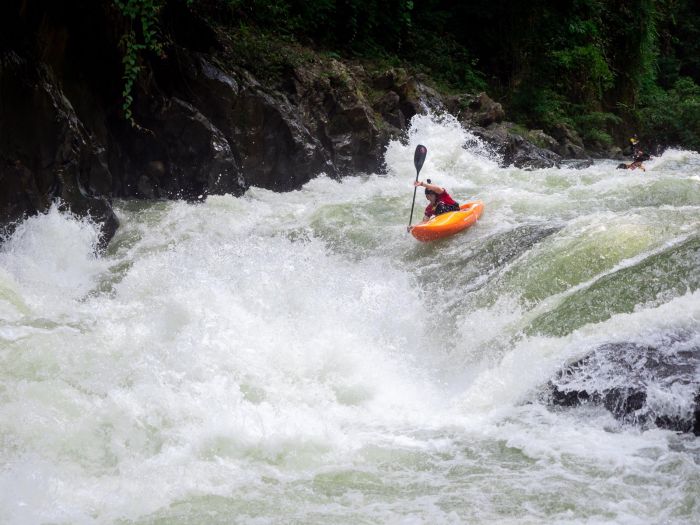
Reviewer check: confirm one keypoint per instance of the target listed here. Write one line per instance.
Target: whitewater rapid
(299, 358)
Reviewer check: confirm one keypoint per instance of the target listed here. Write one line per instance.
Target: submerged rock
(577, 164)
(640, 384)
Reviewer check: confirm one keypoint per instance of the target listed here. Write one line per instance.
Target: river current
(299, 358)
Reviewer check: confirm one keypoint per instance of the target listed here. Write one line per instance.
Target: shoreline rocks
(205, 124)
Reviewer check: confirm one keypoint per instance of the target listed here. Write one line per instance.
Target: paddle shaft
(415, 188)
(418, 160)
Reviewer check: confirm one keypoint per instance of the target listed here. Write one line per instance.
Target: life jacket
(638, 155)
(444, 204)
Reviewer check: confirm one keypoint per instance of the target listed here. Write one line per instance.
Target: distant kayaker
(633, 166)
(440, 200)
(638, 154)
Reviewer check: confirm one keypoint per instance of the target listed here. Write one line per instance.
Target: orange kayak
(449, 223)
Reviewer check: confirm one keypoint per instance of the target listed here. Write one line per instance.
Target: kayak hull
(449, 223)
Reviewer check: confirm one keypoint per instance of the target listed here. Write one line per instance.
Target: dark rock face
(569, 143)
(205, 125)
(475, 110)
(178, 154)
(389, 107)
(638, 384)
(516, 150)
(405, 97)
(45, 151)
(268, 137)
(340, 116)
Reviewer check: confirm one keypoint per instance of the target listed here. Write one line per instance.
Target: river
(299, 358)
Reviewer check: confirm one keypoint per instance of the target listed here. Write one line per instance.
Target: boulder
(417, 98)
(46, 153)
(576, 164)
(475, 110)
(540, 139)
(514, 149)
(389, 79)
(337, 112)
(389, 107)
(640, 384)
(179, 153)
(266, 133)
(569, 143)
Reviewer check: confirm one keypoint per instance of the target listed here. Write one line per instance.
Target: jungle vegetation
(606, 68)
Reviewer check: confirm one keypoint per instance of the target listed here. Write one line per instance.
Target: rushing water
(299, 358)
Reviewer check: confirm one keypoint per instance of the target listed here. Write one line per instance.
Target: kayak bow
(449, 223)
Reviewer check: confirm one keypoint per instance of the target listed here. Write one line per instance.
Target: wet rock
(615, 152)
(46, 152)
(577, 164)
(523, 154)
(475, 110)
(74, 197)
(569, 143)
(178, 154)
(417, 98)
(390, 109)
(389, 79)
(20, 194)
(515, 150)
(337, 112)
(639, 384)
(266, 132)
(540, 139)
(322, 125)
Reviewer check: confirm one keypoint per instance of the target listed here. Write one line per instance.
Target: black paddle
(418, 160)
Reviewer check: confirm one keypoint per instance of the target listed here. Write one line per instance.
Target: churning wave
(298, 357)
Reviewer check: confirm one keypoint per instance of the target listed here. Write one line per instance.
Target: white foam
(52, 258)
(299, 354)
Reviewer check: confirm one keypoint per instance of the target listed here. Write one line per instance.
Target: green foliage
(448, 63)
(673, 116)
(538, 106)
(592, 126)
(269, 57)
(604, 67)
(582, 73)
(142, 35)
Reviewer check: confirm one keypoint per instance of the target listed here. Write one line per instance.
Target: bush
(673, 116)
(593, 127)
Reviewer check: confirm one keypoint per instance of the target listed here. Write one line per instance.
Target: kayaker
(633, 166)
(440, 200)
(638, 154)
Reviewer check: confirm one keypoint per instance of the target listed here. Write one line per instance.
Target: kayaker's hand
(409, 228)
(418, 183)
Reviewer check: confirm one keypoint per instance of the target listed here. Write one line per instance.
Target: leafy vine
(142, 35)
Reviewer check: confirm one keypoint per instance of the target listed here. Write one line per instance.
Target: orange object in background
(448, 223)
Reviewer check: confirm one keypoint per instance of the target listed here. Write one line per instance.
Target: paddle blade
(419, 157)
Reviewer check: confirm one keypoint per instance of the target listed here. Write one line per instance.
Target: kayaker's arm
(431, 187)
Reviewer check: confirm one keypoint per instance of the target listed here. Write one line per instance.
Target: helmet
(429, 191)
(634, 140)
